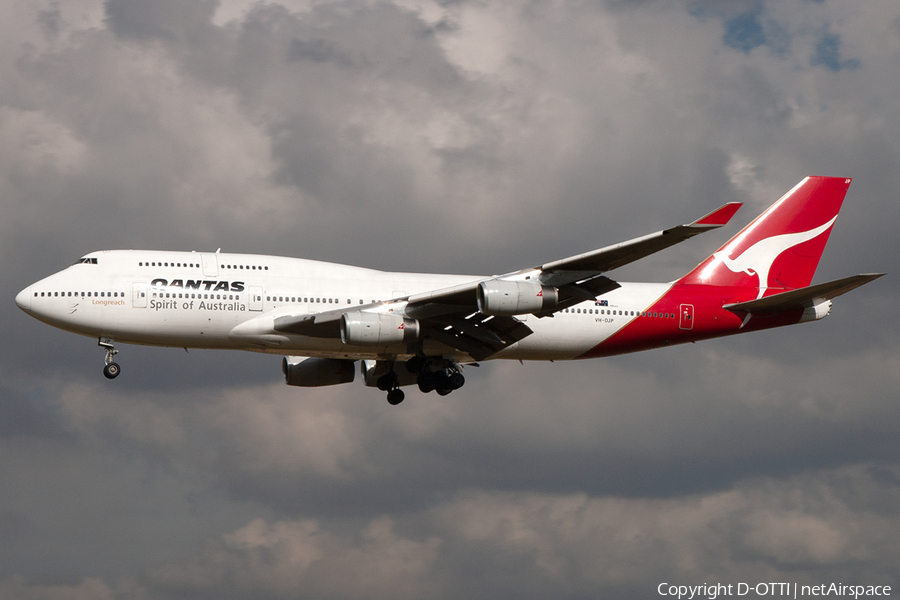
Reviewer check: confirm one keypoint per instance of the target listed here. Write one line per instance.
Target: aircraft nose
(23, 299)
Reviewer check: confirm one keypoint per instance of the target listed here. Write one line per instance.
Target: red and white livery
(419, 329)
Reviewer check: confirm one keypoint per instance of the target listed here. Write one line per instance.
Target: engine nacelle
(377, 329)
(316, 372)
(816, 311)
(372, 370)
(506, 298)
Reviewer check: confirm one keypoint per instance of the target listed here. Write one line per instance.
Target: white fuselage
(218, 300)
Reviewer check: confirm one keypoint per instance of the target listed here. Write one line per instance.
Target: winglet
(720, 216)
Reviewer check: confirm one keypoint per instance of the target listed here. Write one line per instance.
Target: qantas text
(197, 284)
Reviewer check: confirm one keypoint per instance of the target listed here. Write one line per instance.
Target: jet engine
(380, 373)
(376, 329)
(316, 372)
(507, 298)
(813, 311)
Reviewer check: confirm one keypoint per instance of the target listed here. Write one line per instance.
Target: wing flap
(478, 335)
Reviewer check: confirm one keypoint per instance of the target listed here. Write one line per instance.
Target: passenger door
(686, 316)
(210, 264)
(139, 295)
(256, 297)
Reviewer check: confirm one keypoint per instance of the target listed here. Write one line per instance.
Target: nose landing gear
(111, 370)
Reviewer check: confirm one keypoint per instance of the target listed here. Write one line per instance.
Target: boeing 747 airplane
(411, 328)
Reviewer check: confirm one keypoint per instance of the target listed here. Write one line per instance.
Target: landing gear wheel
(111, 371)
(416, 364)
(395, 397)
(387, 381)
(457, 380)
(426, 382)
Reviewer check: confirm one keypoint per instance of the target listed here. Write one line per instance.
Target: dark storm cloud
(24, 416)
(463, 137)
(168, 20)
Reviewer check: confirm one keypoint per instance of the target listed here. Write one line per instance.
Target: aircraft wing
(453, 317)
(574, 268)
(579, 277)
(460, 327)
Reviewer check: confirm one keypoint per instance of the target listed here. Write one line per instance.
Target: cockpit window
(86, 261)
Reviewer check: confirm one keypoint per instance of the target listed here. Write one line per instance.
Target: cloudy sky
(446, 136)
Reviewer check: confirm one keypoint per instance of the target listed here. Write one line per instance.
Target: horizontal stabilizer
(803, 296)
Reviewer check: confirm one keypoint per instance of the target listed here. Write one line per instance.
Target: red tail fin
(780, 249)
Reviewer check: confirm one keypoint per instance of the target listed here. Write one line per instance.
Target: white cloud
(89, 588)
(287, 557)
(272, 430)
(142, 419)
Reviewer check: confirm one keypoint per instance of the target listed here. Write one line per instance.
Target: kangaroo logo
(758, 258)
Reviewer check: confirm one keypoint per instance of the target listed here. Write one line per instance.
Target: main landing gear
(440, 375)
(111, 370)
(431, 374)
(390, 383)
